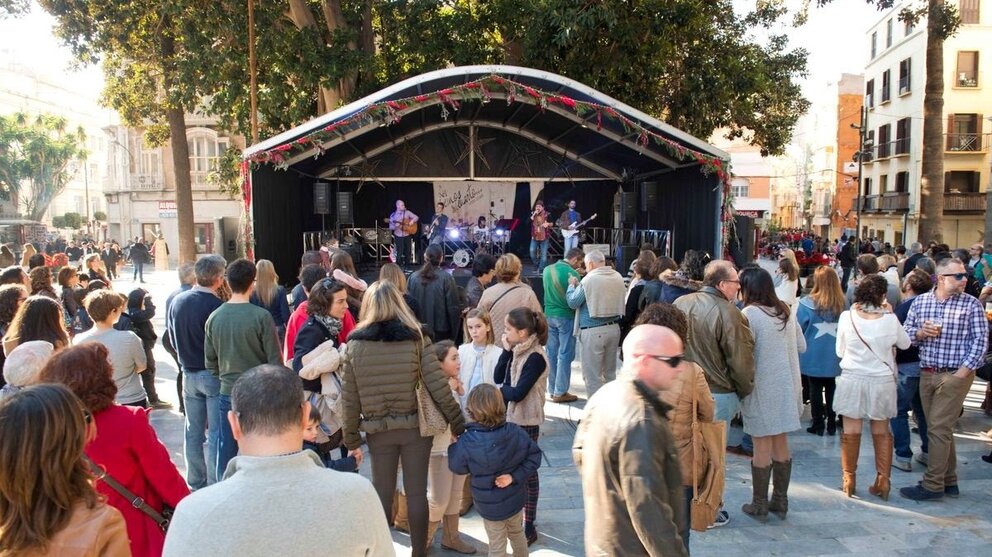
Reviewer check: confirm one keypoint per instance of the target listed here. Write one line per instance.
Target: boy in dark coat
(500, 456)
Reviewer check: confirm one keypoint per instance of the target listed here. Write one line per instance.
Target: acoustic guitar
(406, 226)
(573, 228)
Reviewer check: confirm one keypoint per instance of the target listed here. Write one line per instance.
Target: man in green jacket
(561, 318)
(239, 336)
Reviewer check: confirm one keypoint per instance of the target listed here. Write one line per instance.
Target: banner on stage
(467, 201)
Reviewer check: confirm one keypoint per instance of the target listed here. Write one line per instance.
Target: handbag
(868, 346)
(712, 437)
(429, 417)
(161, 519)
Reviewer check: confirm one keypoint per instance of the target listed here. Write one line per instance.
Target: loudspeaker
(649, 196)
(628, 207)
(321, 198)
(626, 254)
(345, 207)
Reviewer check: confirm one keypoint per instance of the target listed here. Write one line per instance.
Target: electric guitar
(573, 228)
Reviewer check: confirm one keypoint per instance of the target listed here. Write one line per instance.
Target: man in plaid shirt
(951, 330)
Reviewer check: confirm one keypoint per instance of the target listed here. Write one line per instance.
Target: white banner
(466, 201)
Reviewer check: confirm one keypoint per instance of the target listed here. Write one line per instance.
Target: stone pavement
(821, 520)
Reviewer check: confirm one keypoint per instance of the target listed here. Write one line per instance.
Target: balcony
(967, 79)
(144, 182)
(886, 202)
(967, 143)
(904, 85)
(970, 202)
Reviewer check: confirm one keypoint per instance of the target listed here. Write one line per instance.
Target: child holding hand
(311, 437)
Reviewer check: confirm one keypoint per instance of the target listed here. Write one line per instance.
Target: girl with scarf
(521, 374)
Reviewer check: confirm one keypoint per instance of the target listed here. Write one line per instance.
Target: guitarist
(539, 226)
(403, 223)
(435, 232)
(567, 219)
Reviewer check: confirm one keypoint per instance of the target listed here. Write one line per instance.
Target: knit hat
(24, 362)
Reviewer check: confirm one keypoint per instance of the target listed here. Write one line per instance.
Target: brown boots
(850, 448)
(758, 507)
(451, 540)
(400, 521)
(883, 464)
(781, 476)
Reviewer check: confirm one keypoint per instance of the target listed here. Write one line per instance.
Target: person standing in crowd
(125, 446)
(569, 217)
(438, 226)
(817, 316)
(41, 283)
(268, 489)
(913, 256)
(186, 322)
(720, 340)
(95, 270)
(689, 394)
(7, 258)
(688, 279)
(45, 427)
(444, 488)
(561, 324)
(309, 277)
(641, 499)
(980, 262)
(867, 335)
(38, 318)
(521, 374)
(75, 254)
(479, 355)
(652, 285)
(867, 266)
(298, 295)
(500, 456)
(848, 258)
(951, 331)
(127, 354)
(187, 278)
(391, 272)
(508, 293)
(11, 298)
(27, 254)
(343, 270)
(15, 275)
(398, 221)
(437, 295)
(540, 227)
(271, 296)
(387, 357)
(641, 275)
(22, 366)
(239, 336)
(139, 256)
(598, 297)
(908, 389)
(138, 319)
(483, 271)
(160, 251)
(774, 407)
(787, 280)
(68, 282)
(109, 258)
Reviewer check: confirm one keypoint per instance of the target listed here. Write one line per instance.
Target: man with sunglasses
(951, 330)
(631, 480)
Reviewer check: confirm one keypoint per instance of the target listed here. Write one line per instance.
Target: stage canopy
(485, 124)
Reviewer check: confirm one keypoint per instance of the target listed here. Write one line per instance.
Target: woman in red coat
(125, 445)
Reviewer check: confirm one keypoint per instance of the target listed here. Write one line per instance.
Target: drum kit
(467, 240)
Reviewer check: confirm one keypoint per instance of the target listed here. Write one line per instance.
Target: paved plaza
(821, 520)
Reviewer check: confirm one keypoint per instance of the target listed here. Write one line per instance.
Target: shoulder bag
(501, 297)
(708, 436)
(868, 346)
(161, 519)
(429, 416)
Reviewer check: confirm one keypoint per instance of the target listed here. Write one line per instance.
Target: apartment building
(895, 77)
(850, 100)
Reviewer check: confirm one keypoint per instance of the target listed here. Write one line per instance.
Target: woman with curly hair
(41, 282)
(39, 318)
(125, 445)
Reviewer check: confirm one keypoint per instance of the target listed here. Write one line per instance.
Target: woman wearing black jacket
(437, 296)
(326, 306)
(138, 319)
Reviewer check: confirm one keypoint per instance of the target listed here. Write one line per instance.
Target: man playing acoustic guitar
(403, 223)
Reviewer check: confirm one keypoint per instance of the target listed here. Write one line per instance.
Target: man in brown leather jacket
(631, 481)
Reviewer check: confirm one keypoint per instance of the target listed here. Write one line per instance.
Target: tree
(942, 22)
(14, 7)
(58, 222)
(141, 44)
(73, 221)
(100, 216)
(36, 159)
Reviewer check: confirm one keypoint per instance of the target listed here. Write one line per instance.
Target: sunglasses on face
(672, 361)
(957, 276)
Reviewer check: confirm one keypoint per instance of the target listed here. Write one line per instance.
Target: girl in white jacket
(478, 357)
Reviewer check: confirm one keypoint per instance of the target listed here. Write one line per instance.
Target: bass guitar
(573, 228)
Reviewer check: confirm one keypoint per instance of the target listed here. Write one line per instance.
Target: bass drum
(462, 258)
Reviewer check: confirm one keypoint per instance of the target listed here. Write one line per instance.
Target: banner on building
(464, 202)
(166, 209)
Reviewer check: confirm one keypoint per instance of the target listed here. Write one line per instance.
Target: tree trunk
(176, 117)
(932, 183)
(335, 20)
(302, 18)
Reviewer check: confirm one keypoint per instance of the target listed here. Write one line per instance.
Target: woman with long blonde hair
(388, 359)
(393, 273)
(787, 279)
(818, 314)
(270, 296)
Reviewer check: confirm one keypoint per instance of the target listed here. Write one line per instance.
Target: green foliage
(72, 220)
(100, 216)
(37, 157)
(58, 222)
(227, 175)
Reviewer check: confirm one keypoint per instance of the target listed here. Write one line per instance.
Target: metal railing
(904, 85)
(967, 79)
(892, 201)
(967, 142)
(969, 201)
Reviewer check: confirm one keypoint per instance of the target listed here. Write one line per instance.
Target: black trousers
(821, 388)
(404, 245)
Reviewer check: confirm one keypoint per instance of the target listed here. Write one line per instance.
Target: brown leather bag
(709, 442)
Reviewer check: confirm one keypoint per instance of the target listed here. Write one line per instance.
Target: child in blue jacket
(500, 456)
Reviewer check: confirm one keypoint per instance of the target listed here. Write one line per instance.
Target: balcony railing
(967, 142)
(892, 201)
(885, 93)
(967, 79)
(964, 202)
(904, 85)
(144, 182)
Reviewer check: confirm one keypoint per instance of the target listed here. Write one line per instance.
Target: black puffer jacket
(378, 376)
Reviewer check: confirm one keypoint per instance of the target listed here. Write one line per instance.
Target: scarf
(332, 324)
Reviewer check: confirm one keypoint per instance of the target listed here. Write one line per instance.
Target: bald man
(631, 482)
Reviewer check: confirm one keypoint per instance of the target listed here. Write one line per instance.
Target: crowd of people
(444, 389)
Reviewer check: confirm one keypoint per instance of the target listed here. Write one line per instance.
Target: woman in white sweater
(867, 336)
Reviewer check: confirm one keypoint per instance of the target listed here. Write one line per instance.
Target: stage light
(453, 233)
(499, 231)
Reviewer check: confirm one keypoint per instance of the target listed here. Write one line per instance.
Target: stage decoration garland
(483, 89)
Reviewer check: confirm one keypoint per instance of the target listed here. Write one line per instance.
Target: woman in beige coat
(507, 294)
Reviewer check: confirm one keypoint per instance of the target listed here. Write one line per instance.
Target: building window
(870, 94)
(150, 231)
(962, 181)
(874, 42)
(969, 11)
(740, 187)
(883, 183)
(905, 68)
(902, 182)
(884, 137)
(967, 68)
(964, 132)
(902, 136)
(909, 27)
(867, 190)
(205, 150)
(886, 79)
(888, 34)
(203, 237)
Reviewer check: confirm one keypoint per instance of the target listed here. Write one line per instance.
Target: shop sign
(166, 209)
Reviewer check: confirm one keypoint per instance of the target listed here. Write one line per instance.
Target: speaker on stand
(649, 199)
(628, 207)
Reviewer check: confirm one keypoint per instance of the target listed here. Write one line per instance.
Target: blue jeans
(727, 406)
(686, 517)
(139, 270)
(227, 447)
(543, 246)
(201, 395)
(908, 398)
(561, 352)
(570, 243)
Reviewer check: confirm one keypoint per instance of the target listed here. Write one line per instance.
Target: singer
(539, 226)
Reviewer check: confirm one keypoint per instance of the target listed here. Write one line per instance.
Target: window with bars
(870, 94)
(902, 182)
(903, 128)
(884, 136)
(886, 90)
(967, 69)
(970, 11)
(905, 70)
